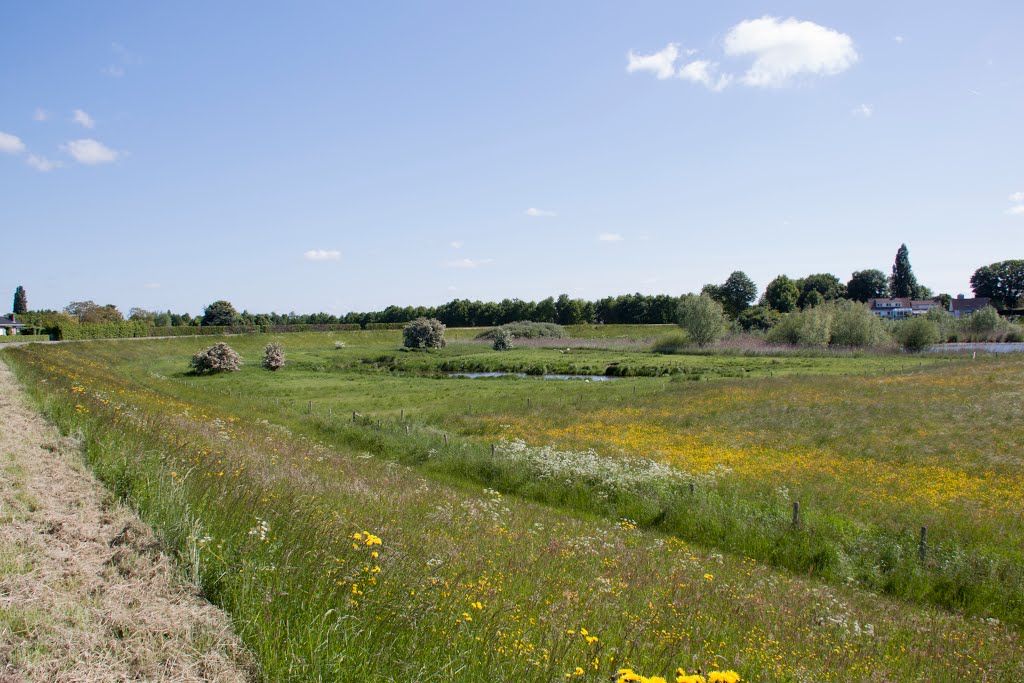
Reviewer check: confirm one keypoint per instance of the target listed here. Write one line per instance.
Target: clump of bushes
(217, 358)
(339, 345)
(502, 340)
(917, 333)
(841, 323)
(526, 329)
(273, 356)
(424, 333)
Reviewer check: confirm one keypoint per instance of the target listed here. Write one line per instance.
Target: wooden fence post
(492, 449)
(796, 514)
(923, 550)
(691, 488)
(445, 439)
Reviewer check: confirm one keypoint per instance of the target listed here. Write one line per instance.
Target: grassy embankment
(202, 462)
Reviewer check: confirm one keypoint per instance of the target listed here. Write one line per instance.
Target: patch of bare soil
(86, 593)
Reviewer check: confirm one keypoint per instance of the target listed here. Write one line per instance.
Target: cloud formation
(785, 49)
(322, 255)
(90, 152)
(468, 263)
(40, 114)
(863, 110)
(610, 237)
(1016, 210)
(1017, 197)
(455, 245)
(661, 64)
(43, 164)
(11, 144)
(539, 213)
(704, 72)
(83, 119)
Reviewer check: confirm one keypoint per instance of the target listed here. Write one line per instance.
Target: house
(8, 325)
(901, 307)
(961, 307)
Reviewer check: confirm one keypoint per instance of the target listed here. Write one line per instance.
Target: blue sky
(345, 156)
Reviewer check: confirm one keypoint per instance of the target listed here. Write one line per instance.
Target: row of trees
(1003, 282)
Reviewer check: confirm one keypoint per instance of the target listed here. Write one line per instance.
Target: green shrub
(758, 318)
(917, 333)
(384, 326)
(526, 329)
(805, 327)
(424, 333)
(854, 325)
(702, 317)
(984, 322)
(217, 358)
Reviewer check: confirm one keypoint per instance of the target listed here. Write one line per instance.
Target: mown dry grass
(86, 592)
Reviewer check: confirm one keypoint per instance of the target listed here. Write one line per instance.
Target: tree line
(1003, 282)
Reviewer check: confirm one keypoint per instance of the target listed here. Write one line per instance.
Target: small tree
(502, 340)
(220, 313)
(273, 356)
(781, 294)
(917, 333)
(702, 317)
(424, 333)
(737, 293)
(867, 284)
(217, 358)
(20, 301)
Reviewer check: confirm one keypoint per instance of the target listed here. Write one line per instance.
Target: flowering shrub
(218, 358)
(424, 333)
(502, 340)
(339, 345)
(273, 356)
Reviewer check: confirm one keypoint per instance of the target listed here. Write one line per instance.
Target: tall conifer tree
(20, 300)
(903, 283)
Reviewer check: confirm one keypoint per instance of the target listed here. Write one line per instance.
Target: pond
(476, 375)
(990, 347)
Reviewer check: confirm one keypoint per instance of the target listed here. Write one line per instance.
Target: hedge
(386, 326)
(9, 338)
(137, 328)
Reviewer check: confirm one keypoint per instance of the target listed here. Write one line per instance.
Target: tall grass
(464, 584)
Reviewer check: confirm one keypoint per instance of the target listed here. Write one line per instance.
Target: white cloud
(468, 263)
(661, 64)
(452, 288)
(42, 163)
(864, 110)
(11, 144)
(703, 71)
(114, 71)
(610, 237)
(322, 255)
(1016, 210)
(785, 49)
(83, 119)
(1017, 197)
(898, 39)
(40, 114)
(455, 245)
(539, 213)
(89, 151)
(151, 285)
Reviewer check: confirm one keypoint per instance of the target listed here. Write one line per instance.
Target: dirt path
(85, 592)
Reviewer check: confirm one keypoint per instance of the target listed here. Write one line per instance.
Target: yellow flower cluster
(630, 676)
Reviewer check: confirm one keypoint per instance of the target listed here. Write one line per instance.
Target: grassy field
(492, 564)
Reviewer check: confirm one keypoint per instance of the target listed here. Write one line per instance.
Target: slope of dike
(86, 593)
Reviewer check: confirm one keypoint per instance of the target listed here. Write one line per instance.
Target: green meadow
(364, 516)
